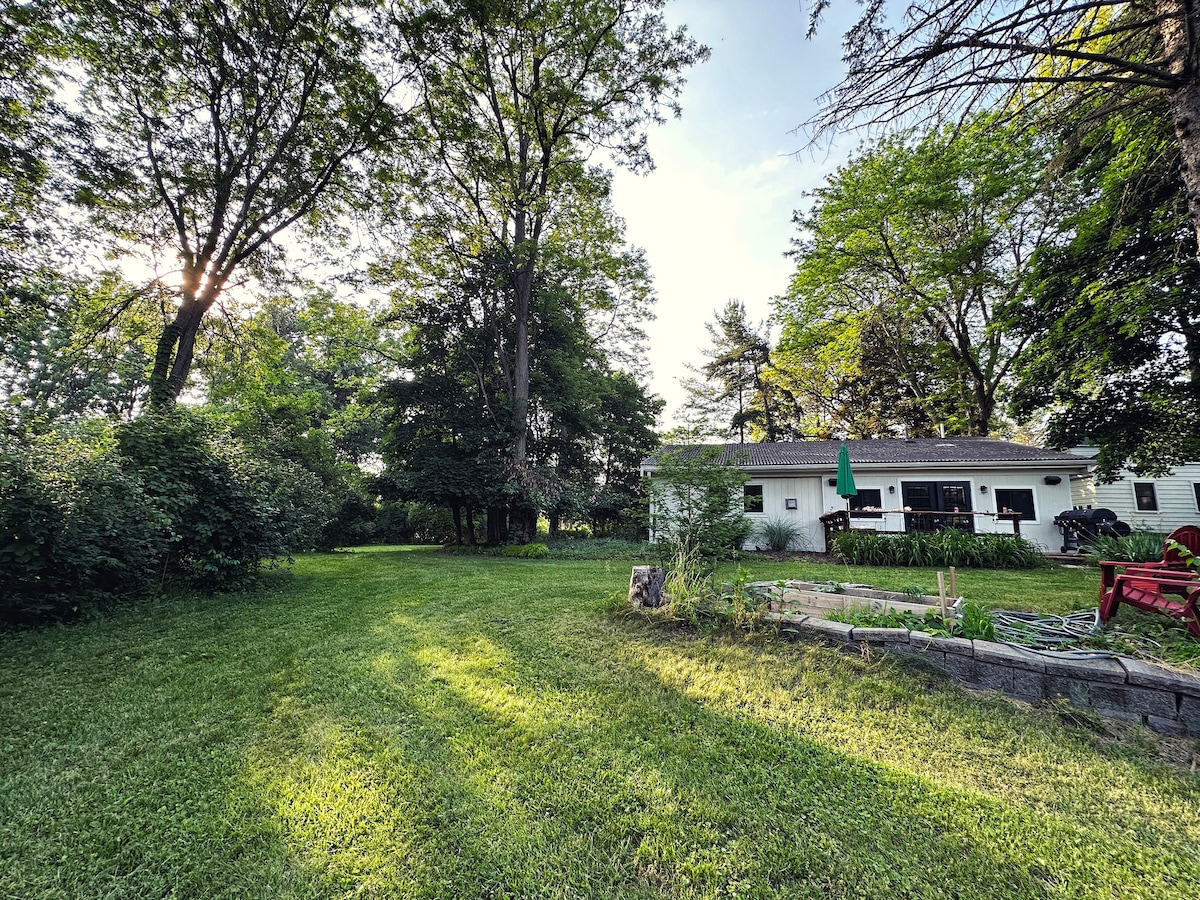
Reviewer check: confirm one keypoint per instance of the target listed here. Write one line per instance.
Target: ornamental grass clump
(779, 535)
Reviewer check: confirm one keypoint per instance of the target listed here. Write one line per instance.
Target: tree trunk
(522, 524)
(645, 587)
(1181, 50)
(471, 525)
(497, 525)
(176, 350)
(456, 512)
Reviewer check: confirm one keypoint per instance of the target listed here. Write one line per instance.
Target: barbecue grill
(1087, 524)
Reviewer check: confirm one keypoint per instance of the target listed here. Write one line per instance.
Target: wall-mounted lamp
(833, 482)
(983, 489)
(1052, 479)
(891, 489)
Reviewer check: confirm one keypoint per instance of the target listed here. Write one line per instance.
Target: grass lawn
(398, 723)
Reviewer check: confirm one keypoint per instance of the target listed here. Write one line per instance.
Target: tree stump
(645, 587)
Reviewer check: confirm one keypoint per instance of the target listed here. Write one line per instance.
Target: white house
(1153, 504)
(973, 484)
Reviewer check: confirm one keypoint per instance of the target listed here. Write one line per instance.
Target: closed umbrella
(845, 479)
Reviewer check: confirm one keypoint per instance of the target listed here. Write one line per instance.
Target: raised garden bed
(813, 598)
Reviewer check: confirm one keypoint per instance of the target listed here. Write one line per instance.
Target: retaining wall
(1166, 701)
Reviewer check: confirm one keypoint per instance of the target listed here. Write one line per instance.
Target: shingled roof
(880, 452)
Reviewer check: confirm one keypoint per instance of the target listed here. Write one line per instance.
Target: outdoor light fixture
(833, 482)
(1052, 479)
(891, 489)
(983, 489)
(790, 503)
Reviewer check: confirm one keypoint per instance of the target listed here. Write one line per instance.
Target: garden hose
(1049, 634)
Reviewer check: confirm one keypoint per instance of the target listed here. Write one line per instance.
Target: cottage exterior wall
(1175, 494)
(803, 474)
(815, 497)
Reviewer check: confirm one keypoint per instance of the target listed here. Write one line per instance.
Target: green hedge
(75, 529)
(110, 511)
(943, 548)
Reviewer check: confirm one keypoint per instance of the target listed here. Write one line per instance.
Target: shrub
(526, 551)
(697, 507)
(943, 548)
(224, 516)
(75, 529)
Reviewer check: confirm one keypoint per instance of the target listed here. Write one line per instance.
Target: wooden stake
(942, 592)
(953, 584)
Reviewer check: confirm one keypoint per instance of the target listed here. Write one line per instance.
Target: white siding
(806, 492)
(1176, 495)
(1049, 500)
(814, 496)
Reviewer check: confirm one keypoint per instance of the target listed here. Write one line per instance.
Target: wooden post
(953, 584)
(645, 587)
(942, 592)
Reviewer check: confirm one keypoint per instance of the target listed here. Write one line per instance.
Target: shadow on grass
(511, 758)
(410, 725)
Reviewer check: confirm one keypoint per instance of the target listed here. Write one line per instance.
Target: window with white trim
(1144, 496)
(1016, 500)
(867, 497)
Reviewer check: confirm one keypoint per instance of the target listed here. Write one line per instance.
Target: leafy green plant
(1137, 546)
(943, 548)
(696, 507)
(742, 607)
(527, 551)
(688, 586)
(221, 503)
(76, 529)
(930, 622)
(976, 622)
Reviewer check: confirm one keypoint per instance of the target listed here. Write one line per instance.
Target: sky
(715, 217)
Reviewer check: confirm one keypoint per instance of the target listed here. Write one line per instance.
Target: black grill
(1088, 524)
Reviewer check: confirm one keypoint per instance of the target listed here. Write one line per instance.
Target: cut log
(645, 587)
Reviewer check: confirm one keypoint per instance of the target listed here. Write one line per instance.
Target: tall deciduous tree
(218, 126)
(514, 99)
(450, 436)
(960, 55)
(28, 42)
(1114, 315)
(934, 239)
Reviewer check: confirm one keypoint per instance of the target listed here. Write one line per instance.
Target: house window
(1196, 491)
(752, 498)
(1144, 496)
(865, 497)
(1018, 500)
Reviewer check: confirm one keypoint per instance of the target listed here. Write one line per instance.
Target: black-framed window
(1018, 500)
(1196, 490)
(1144, 496)
(752, 498)
(864, 498)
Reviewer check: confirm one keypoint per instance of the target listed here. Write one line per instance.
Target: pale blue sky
(715, 216)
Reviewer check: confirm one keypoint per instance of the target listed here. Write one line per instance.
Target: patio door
(936, 505)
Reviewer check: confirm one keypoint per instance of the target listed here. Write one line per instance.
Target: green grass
(406, 724)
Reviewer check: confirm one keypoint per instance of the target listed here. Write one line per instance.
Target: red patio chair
(1169, 587)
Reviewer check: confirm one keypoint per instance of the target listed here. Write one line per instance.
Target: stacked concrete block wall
(1164, 700)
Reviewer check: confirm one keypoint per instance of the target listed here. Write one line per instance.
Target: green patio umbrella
(845, 483)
